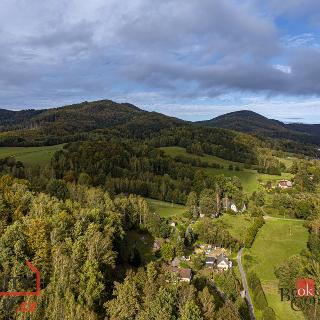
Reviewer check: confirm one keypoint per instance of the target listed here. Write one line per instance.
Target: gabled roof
(185, 273)
(222, 258)
(182, 273)
(285, 183)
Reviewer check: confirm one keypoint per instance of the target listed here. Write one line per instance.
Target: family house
(183, 274)
(223, 263)
(228, 204)
(285, 184)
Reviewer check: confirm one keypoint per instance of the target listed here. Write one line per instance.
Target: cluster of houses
(221, 262)
(228, 204)
(216, 258)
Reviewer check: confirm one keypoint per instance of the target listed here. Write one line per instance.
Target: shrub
(268, 314)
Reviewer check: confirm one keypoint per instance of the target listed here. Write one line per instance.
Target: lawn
(250, 178)
(276, 242)
(31, 156)
(237, 225)
(166, 209)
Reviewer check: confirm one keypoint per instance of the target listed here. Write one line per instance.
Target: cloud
(56, 52)
(293, 7)
(283, 68)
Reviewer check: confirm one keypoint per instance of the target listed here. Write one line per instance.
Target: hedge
(253, 230)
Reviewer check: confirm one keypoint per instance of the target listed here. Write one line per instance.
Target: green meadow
(237, 224)
(250, 178)
(30, 156)
(166, 209)
(276, 241)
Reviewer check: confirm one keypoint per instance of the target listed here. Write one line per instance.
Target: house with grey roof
(210, 262)
(223, 263)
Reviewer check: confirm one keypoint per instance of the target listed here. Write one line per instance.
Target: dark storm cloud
(55, 50)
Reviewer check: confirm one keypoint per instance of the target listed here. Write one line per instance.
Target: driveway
(245, 285)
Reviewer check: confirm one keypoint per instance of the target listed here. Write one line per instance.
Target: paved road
(245, 285)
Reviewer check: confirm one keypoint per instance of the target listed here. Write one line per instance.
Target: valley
(168, 199)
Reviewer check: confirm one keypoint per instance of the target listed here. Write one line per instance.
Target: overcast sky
(193, 59)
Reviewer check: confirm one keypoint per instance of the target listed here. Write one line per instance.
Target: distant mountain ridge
(253, 123)
(84, 116)
(105, 119)
(73, 122)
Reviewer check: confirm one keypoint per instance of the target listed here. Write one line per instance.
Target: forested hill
(254, 123)
(74, 122)
(99, 120)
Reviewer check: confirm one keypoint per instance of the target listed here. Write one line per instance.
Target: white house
(233, 207)
(223, 263)
(229, 204)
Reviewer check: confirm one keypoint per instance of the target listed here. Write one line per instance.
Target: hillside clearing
(166, 209)
(275, 243)
(237, 224)
(31, 156)
(250, 178)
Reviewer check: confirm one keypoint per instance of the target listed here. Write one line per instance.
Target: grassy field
(250, 178)
(288, 161)
(236, 224)
(30, 156)
(178, 151)
(166, 209)
(275, 243)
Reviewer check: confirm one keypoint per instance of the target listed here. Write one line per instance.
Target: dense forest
(80, 244)
(123, 167)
